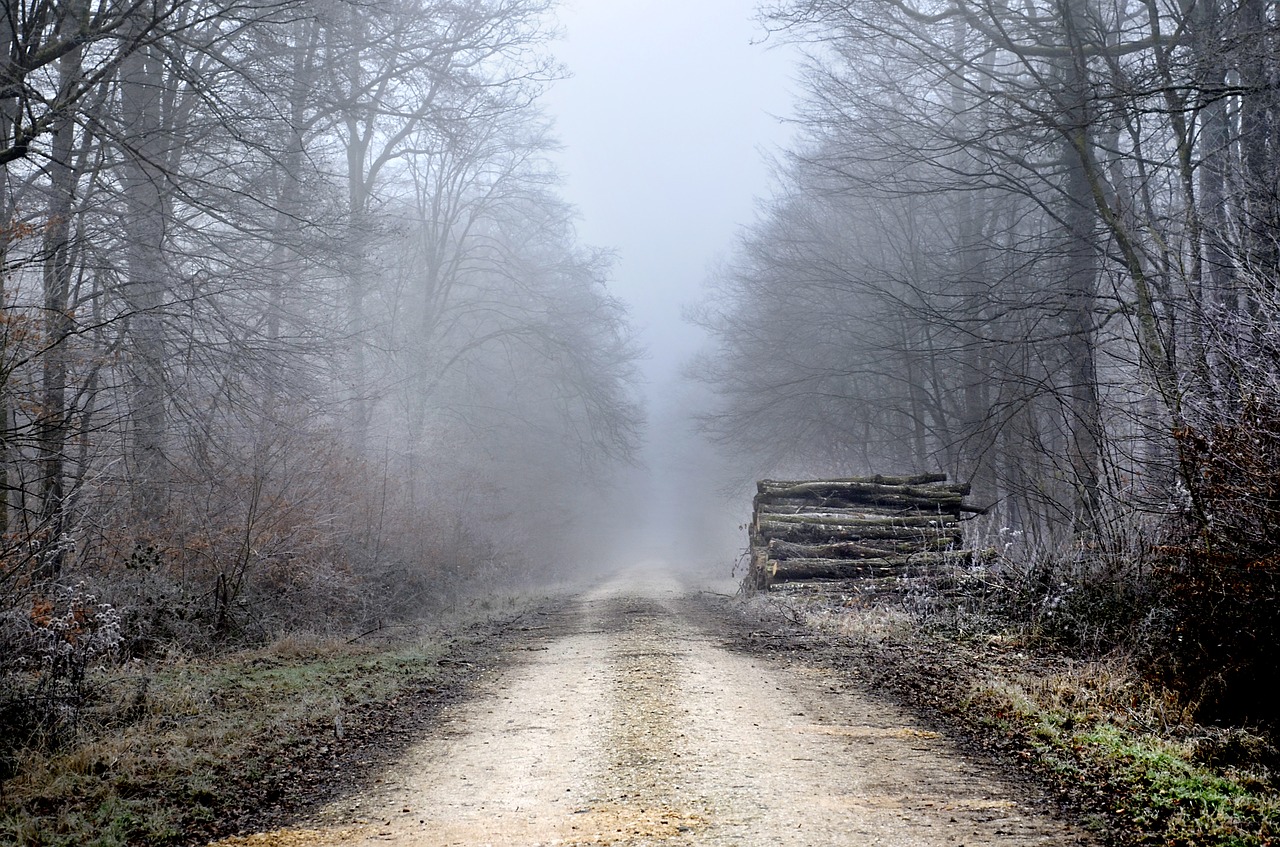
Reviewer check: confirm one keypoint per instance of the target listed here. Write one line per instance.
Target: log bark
(789, 570)
(889, 503)
(866, 529)
(758, 574)
(852, 494)
(819, 533)
(795, 569)
(859, 515)
(896, 523)
(917, 479)
(857, 489)
(855, 550)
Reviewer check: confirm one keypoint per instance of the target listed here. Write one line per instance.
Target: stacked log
(855, 528)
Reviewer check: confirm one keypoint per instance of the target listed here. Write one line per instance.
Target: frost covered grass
(189, 734)
(1124, 751)
(1156, 777)
(183, 748)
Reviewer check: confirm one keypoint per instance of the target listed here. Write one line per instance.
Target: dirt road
(631, 724)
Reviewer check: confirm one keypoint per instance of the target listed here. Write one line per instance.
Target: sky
(667, 120)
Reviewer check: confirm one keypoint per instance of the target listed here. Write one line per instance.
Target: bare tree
(248, 249)
(389, 75)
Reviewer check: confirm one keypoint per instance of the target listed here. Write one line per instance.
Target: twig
(378, 628)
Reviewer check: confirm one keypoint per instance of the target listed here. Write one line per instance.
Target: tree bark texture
(141, 99)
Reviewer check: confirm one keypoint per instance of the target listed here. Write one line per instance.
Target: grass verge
(186, 750)
(1120, 753)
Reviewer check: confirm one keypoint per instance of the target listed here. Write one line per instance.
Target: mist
(367, 362)
(668, 120)
(321, 312)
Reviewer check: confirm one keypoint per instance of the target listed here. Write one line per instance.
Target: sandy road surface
(630, 724)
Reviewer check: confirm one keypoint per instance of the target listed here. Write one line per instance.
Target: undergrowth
(181, 748)
(1152, 774)
(159, 766)
(1127, 750)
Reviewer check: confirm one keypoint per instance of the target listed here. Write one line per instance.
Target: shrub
(1086, 596)
(1222, 571)
(47, 655)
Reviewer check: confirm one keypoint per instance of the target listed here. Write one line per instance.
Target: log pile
(855, 528)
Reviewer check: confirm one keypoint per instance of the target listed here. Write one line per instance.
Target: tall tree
(54, 417)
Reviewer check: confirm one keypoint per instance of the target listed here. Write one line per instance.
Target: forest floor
(644, 713)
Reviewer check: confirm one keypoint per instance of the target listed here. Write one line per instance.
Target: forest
(301, 353)
(295, 329)
(1034, 246)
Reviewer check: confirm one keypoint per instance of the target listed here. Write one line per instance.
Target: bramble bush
(51, 650)
(1221, 571)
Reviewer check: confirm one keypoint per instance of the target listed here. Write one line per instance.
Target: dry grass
(1127, 750)
(183, 747)
(157, 760)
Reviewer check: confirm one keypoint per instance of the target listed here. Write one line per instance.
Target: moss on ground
(1157, 793)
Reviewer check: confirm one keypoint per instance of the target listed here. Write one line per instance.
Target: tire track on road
(631, 724)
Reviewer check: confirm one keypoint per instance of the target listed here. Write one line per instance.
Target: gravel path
(631, 724)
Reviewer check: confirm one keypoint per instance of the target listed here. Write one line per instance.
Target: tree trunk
(284, 260)
(8, 118)
(973, 271)
(1257, 116)
(54, 419)
(1215, 143)
(359, 133)
(1080, 274)
(141, 91)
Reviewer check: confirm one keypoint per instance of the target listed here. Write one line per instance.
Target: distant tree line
(294, 327)
(1035, 245)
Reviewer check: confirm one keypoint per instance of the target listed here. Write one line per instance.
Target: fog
(668, 121)
(340, 310)
(339, 317)
(379, 304)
